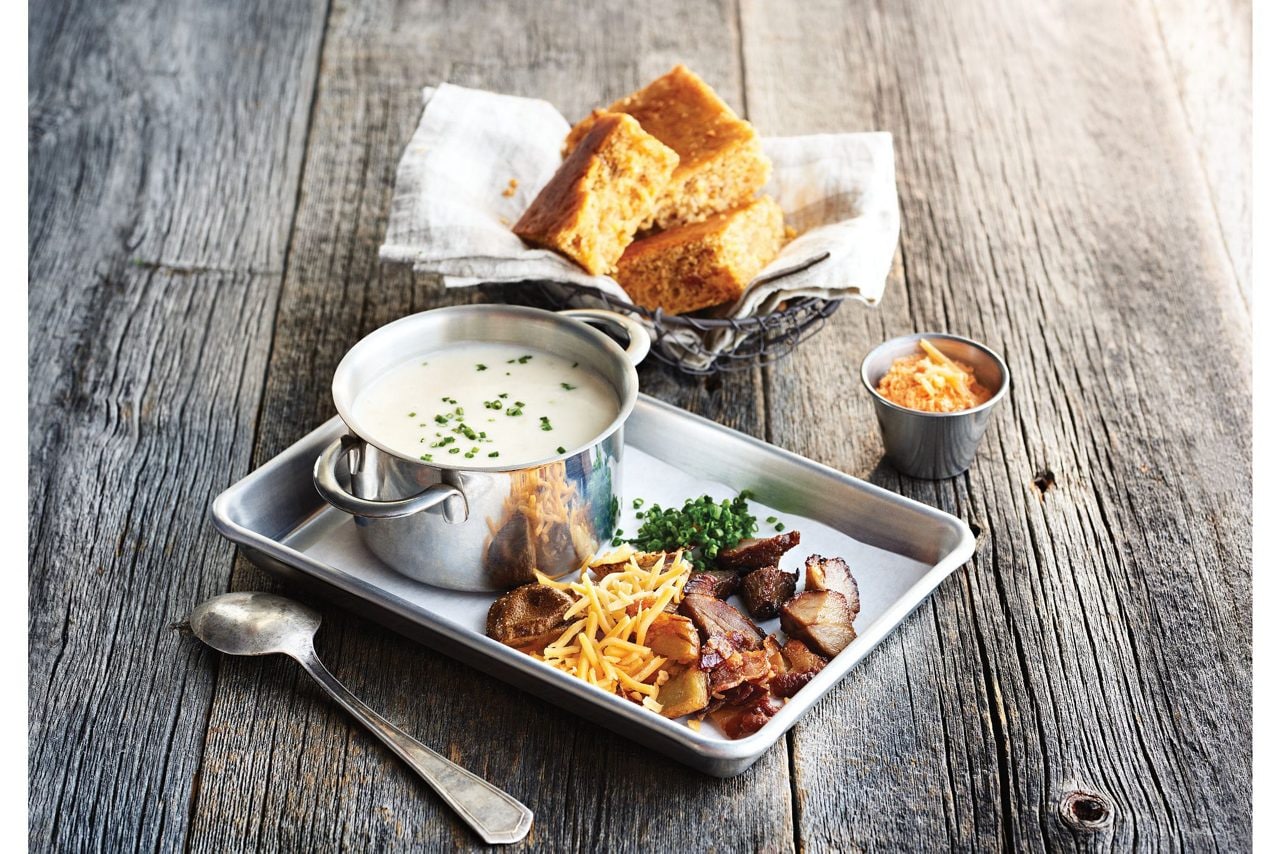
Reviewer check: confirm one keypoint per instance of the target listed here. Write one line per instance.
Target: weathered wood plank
(1052, 207)
(165, 144)
(285, 769)
(1209, 46)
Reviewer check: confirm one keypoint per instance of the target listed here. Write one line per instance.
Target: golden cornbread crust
(708, 263)
(606, 187)
(722, 164)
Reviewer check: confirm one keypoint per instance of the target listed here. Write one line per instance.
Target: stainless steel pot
(482, 527)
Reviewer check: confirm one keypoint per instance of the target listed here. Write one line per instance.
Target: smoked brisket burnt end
(832, 573)
(714, 617)
(765, 589)
(720, 583)
(819, 618)
(756, 553)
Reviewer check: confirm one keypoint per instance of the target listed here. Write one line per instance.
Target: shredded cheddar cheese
(932, 383)
(604, 642)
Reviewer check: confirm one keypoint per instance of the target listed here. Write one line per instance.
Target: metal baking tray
(899, 551)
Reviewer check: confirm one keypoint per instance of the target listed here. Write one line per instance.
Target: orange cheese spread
(932, 383)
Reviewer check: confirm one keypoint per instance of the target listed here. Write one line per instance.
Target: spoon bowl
(254, 624)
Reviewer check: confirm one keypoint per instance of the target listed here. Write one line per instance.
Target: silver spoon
(261, 624)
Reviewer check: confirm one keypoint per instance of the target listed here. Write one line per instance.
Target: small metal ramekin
(934, 445)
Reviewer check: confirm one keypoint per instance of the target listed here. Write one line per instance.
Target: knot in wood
(1044, 480)
(1086, 811)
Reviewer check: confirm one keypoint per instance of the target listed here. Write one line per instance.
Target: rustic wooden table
(209, 184)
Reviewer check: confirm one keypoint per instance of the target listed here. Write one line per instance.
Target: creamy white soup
(486, 405)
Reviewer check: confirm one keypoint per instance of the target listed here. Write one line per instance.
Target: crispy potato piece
(529, 617)
(684, 693)
(673, 637)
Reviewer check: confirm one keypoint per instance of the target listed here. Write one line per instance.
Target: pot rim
(627, 395)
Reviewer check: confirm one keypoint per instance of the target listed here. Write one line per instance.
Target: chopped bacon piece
(802, 659)
(747, 715)
(787, 684)
(740, 667)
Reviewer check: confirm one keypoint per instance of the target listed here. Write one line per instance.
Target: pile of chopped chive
(702, 526)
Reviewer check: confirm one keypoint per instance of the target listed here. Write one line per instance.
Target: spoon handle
(496, 816)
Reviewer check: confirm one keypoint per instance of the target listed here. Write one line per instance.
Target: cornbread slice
(722, 164)
(592, 206)
(694, 266)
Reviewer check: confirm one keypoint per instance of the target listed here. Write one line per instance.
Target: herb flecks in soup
(450, 407)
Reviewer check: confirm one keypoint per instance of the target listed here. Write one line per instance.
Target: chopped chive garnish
(503, 395)
(455, 450)
(618, 533)
(771, 519)
(493, 453)
(574, 365)
(703, 526)
(546, 422)
(425, 457)
(523, 359)
(560, 449)
(480, 367)
(638, 503)
(779, 527)
(413, 414)
(515, 410)
(567, 387)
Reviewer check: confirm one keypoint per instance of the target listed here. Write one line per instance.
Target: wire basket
(680, 340)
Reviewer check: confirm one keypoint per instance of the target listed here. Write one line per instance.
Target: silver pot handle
(325, 476)
(637, 336)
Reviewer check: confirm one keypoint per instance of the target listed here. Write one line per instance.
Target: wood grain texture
(1209, 47)
(1054, 208)
(209, 184)
(165, 146)
(284, 768)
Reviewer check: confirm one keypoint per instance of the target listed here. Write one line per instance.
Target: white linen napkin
(478, 159)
